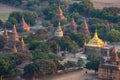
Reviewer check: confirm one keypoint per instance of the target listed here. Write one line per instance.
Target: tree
(40, 67)
(7, 66)
(70, 64)
(80, 62)
(53, 46)
(1, 23)
(2, 42)
(113, 36)
(49, 12)
(93, 64)
(67, 43)
(31, 70)
(30, 17)
(79, 38)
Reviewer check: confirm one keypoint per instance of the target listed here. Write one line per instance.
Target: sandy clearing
(8, 9)
(106, 3)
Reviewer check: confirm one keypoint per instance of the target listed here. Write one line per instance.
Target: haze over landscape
(59, 40)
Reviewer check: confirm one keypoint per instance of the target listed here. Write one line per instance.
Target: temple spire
(23, 44)
(96, 34)
(116, 58)
(59, 14)
(25, 25)
(14, 49)
(15, 34)
(59, 32)
(5, 33)
(86, 30)
(73, 25)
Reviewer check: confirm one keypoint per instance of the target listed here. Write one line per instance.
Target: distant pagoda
(59, 32)
(5, 33)
(110, 70)
(73, 25)
(22, 44)
(15, 34)
(59, 14)
(14, 49)
(25, 26)
(86, 30)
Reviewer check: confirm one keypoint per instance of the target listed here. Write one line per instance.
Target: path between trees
(75, 75)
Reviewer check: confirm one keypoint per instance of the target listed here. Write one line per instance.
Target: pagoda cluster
(73, 25)
(13, 43)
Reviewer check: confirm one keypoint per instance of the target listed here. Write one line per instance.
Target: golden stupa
(96, 41)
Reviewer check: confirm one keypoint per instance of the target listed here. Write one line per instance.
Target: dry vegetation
(106, 3)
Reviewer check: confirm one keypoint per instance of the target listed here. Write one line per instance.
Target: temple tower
(115, 55)
(59, 32)
(15, 34)
(15, 49)
(22, 44)
(96, 41)
(73, 25)
(59, 14)
(86, 30)
(5, 33)
(25, 25)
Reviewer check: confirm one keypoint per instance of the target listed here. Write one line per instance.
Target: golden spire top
(96, 34)
(96, 41)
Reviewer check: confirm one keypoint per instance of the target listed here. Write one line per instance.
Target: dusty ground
(8, 9)
(76, 75)
(106, 3)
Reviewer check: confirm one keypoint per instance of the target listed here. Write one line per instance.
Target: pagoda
(25, 26)
(22, 44)
(59, 32)
(96, 41)
(110, 70)
(15, 34)
(59, 14)
(86, 30)
(14, 49)
(96, 45)
(73, 25)
(5, 33)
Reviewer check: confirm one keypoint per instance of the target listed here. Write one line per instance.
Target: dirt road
(76, 75)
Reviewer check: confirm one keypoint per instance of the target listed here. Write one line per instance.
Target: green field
(4, 16)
